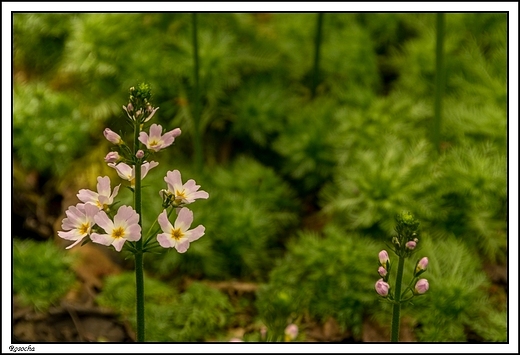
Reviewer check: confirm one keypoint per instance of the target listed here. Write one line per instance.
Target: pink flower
(382, 271)
(129, 110)
(291, 332)
(156, 140)
(421, 286)
(151, 112)
(112, 157)
(103, 198)
(179, 235)
(182, 194)
(384, 259)
(421, 266)
(139, 154)
(127, 172)
(411, 244)
(112, 136)
(382, 288)
(124, 227)
(78, 223)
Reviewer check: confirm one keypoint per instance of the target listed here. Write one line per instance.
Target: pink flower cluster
(93, 217)
(82, 218)
(383, 288)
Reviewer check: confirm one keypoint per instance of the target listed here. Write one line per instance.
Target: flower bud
(112, 157)
(112, 136)
(421, 286)
(291, 332)
(139, 154)
(411, 244)
(382, 271)
(382, 288)
(384, 259)
(421, 266)
(150, 111)
(263, 332)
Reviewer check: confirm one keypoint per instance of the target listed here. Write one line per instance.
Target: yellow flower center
(118, 233)
(153, 143)
(177, 234)
(84, 228)
(179, 196)
(102, 206)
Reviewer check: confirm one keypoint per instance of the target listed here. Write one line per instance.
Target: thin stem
(439, 81)
(317, 44)
(149, 234)
(139, 272)
(396, 314)
(197, 139)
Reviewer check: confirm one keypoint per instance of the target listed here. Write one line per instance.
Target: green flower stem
(396, 314)
(139, 272)
(197, 139)
(439, 81)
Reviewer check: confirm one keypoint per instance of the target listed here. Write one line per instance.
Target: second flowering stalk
(403, 245)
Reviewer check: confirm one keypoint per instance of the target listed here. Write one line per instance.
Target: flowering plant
(403, 245)
(95, 218)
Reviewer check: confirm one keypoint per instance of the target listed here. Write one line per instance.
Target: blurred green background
(316, 130)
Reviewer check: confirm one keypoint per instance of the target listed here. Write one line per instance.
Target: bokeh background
(309, 131)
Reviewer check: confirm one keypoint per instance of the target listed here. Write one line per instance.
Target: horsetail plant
(96, 217)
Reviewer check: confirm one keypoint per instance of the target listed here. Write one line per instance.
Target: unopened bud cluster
(404, 245)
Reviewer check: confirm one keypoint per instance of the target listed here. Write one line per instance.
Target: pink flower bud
(382, 271)
(150, 111)
(263, 332)
(382, 288)
(411, 244)
(139, 154)
(421, 266)
(112, 136)
(112, 157)
(421, 286)
(383, 258)
(291, 331)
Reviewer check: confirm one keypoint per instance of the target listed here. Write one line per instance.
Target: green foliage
(307, 143)
(378, 182)
(48, 129)
(194, 315)
(457, 301)
(41, 273)
(39, 42)
(469, 58)
(260, 109)
(322, 276)
(472, 186)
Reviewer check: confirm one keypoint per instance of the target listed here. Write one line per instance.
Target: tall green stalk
(396, 311)
(197, 139)
(139, 273)
(317, 45)
(439, 81)
(403, 245)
